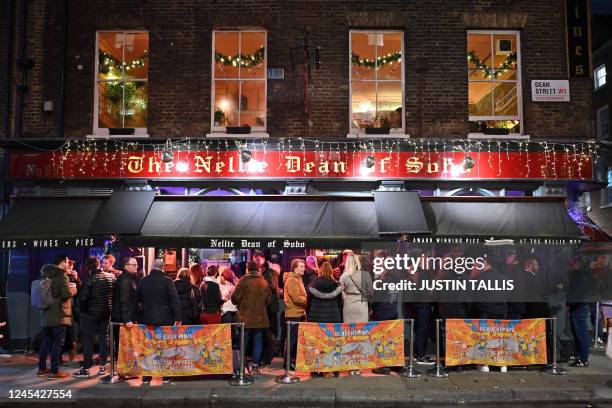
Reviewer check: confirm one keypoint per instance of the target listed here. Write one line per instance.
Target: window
(494, 82)
(121, 94)
(377, 80)
(600, 77)
(602, 117)
(239, 80)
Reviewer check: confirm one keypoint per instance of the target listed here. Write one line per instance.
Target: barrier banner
(175, 350)
(495, 342)
(325, 347)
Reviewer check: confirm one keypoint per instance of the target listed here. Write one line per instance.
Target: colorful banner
(325, 347)
(495, 342)
(175, 350)
(573, 164)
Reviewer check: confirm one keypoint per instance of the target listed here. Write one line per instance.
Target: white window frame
(598, 113)
(597, 77)
(103, 132)
(256, 131)
(518, 81)
(357, 132)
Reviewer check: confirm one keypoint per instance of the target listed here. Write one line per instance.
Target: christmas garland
(487, 70)
(247, 61)
(391, 58)
(108, 61)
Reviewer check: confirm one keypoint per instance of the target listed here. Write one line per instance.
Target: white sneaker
(483, 368)
(503, 369)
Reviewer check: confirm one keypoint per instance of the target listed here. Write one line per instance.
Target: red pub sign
(301, 164)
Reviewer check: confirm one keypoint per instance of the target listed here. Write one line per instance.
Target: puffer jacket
(186, 293)
(294, 295)
(60, 312)
(324, 310)
(96, 297)
(125, 299)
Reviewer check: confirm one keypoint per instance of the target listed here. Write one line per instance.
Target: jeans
(421, 316)
(91, 327)
(53, 338)
(578, 318)
(257, 336)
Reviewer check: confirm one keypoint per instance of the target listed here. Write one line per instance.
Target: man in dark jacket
(160, 302)
(270, 334)
(125, 300)
(56, 318)
(96, 302)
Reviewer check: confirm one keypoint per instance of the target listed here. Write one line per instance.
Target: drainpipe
(24, 64)
(10, 5)
(63, 17)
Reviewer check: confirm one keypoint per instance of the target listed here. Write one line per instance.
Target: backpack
(40, 293)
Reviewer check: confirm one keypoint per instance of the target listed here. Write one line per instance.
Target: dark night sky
(601, 6)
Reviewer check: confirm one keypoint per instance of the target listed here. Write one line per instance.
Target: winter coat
(96, 296)
(125, 299)
(356, 288)
(271, 276)
(160, 302)
(189, 307)
(324, 310)
(294, 295)
(60, 311)
(308, 277)
(516, 273)
(210, 293)
(492, 303)
(252, 296)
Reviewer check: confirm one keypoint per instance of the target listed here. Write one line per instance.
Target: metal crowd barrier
(289, 378)
(240, 380)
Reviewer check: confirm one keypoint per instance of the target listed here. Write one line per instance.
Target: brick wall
(180, 62)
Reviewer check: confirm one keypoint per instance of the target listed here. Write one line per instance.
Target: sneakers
(483, 368)
(167, 380)
(503, 369)
(102, 370)
(58, 376)
(424, 360)
(579, 363)
(255, 371)
(146, 379)
(82, 373)
(42, 372)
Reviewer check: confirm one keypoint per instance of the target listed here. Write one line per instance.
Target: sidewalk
(581, 387)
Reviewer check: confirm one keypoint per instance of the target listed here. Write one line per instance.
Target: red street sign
(301, 165)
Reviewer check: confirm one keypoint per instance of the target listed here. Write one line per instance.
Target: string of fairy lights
(87, 157)
(243, 60)
(489, 72)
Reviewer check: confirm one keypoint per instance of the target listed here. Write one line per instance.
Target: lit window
(239, 80)
(121, 94)
(600, 77)
(377, 81)
(494, 82)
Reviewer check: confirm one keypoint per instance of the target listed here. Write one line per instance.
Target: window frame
(598, 112)
(600, 68)
(104, 132)
(222, 130)
(394, 131)
(518, 80)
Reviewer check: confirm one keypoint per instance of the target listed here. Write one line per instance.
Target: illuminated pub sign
(578, 48)
(574, 162)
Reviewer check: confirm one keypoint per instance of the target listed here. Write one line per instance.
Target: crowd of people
(266, 297)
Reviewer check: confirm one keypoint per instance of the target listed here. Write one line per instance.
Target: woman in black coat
(321, 309)
(187, 296)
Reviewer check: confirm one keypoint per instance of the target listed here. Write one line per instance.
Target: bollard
(242, 380)
(112, 378)
(596, 333)
(553, 368)
(287, 378)
(410, 371)
(439, 371)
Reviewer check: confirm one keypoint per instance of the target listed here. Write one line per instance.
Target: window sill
(252, 135)
(135, 136)
(511, 136)
(372, 136)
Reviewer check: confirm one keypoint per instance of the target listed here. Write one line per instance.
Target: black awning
(65, 219)
(124, 213)
(399, 212)
(521, 219)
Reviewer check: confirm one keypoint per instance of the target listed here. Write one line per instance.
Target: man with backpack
(55, 299)
(96, 301)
